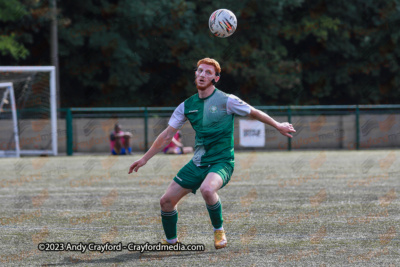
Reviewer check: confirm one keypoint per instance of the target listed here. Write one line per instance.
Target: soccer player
(211, 114)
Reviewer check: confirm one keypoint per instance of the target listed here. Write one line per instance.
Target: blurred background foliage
(143, 53)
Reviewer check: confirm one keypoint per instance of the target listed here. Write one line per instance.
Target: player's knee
(165, 203)
(207, 191)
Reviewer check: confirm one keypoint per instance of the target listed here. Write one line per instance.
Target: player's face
(204, 75)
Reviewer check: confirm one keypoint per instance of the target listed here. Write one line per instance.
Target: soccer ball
(222, 23)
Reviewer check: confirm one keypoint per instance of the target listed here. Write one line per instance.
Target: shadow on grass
(134, 257)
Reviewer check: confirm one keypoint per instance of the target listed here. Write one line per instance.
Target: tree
(143, 53)
(347, 51)
(11, 11)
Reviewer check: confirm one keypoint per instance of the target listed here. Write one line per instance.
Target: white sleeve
(237, 106)
(178, 117)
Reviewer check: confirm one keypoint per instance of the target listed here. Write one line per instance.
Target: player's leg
(187, 149)
(169, 212)
(173, 150)
(188, 179)
(170, 150)
(208, 189)
(218, 176)
(117, 145)
(127, 139)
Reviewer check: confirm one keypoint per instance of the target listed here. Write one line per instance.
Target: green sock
(169, 221)
(215, 212)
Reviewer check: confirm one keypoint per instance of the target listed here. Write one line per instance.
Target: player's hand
(136, 165)
(286, 128)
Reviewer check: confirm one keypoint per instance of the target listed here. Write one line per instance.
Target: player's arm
(162, 141)
(176, 122)
(237, 106)
(284, 128)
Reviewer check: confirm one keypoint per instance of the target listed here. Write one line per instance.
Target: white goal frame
(9, 87)
(53, 105)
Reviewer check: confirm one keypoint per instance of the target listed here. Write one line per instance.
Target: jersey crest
(213, 109)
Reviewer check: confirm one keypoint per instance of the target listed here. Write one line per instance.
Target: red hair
(212, 62)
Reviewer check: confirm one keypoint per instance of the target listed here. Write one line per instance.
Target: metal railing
(289, 111)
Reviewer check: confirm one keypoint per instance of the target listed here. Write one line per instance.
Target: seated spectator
(119, 141)
(176, 146)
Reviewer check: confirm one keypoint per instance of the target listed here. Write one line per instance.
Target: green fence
(287, 111)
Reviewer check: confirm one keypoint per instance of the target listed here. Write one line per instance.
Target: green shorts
(191, 176)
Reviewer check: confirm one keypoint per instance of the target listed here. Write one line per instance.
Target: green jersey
(212, 118)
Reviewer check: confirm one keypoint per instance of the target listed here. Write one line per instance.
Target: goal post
(8, 96)
(34, 89)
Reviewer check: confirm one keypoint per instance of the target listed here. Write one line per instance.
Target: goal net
(36, 109)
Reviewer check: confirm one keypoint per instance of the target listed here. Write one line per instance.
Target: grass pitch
(316, 208)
